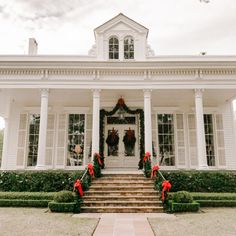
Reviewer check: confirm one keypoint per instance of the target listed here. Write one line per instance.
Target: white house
(56, 108)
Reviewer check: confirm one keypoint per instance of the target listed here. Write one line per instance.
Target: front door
(121, 146)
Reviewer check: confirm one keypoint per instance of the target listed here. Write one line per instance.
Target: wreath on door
(112, 138)
(129, 139)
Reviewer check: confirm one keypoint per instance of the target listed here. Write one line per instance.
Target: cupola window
(113, 48)
(129, 48)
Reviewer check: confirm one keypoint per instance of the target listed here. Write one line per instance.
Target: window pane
(209, 138)
(113, 48)
(34, 121)
(75, 148)
(166, 139)
(129, 48)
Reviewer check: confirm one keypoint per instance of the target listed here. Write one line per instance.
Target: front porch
(174, 132)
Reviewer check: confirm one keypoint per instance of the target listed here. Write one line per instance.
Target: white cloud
(66, 27)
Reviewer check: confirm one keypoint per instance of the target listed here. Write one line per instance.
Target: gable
(120, 23)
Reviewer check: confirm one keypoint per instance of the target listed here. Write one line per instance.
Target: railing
(84, 174)
(159, 172)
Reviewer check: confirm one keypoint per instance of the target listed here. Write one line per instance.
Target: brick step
(119, 203)
(123, 176)
(123, 183)
(121, 187)
(121, 192)
(142, 181)
(121, 198)
(136, 209)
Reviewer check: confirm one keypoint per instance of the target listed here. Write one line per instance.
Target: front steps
(122, 193)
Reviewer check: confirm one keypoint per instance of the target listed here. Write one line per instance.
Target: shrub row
(217, 203)
(199, 181)
(23, 203)
(27, 195)
(38, 181)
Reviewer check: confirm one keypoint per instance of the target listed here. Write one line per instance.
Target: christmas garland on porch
(104, 113)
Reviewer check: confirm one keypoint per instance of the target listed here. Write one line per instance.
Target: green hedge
(184, 207)
(217, 203)
(27, 195)
(38, 181)
(63, 206)
(23, 203)
(200, 181)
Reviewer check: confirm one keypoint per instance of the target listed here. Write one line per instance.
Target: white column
(96, 121)
(201, 143)
(43, 130)
(6, 136)
(148, 122)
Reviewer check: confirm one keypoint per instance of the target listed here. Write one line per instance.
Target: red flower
(166, 186)
(78, 186)
(91, 171)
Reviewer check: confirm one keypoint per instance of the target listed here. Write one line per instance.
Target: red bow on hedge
(97, 155)
(91, 171)
(166, 186)
(78, 186)
(154, 171)
(147, 156)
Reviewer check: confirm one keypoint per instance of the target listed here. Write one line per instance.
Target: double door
(121, 146)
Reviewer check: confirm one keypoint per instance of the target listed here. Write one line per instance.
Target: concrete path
(123, 224)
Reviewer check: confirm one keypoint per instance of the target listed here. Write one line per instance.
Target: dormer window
(113, 48)
(129, 48)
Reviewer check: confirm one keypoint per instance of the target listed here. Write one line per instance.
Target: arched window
(113, 48)
(129, 48)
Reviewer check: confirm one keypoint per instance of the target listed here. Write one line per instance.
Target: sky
(176, 27)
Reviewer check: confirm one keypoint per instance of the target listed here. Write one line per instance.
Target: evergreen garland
(96, 166)
(147, 168)
(104, 113)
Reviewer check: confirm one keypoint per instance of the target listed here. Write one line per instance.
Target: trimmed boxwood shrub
(62, 206)
(182, 197)
(38, 181)
(200, 181)
(64, 196)
(23, 203)
(185, 207)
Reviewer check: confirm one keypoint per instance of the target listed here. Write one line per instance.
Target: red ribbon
(78, 186)
(97, 155)
(154, 171)
(147, 156)
(166, 186)
(91, 171)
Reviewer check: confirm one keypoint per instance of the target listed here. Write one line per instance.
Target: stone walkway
(123, 224)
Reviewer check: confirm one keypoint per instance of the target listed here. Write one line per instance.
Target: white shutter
(22, 135)
(61, 141)
(50, 139)
(88, 140)
(192, 140)
(180, 140)
(220, 144)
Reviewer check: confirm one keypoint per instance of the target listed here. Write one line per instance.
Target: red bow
(154, 171)
(147, 156)
(166, 186)
(91, 171)
(78, 186)
(97, 155)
